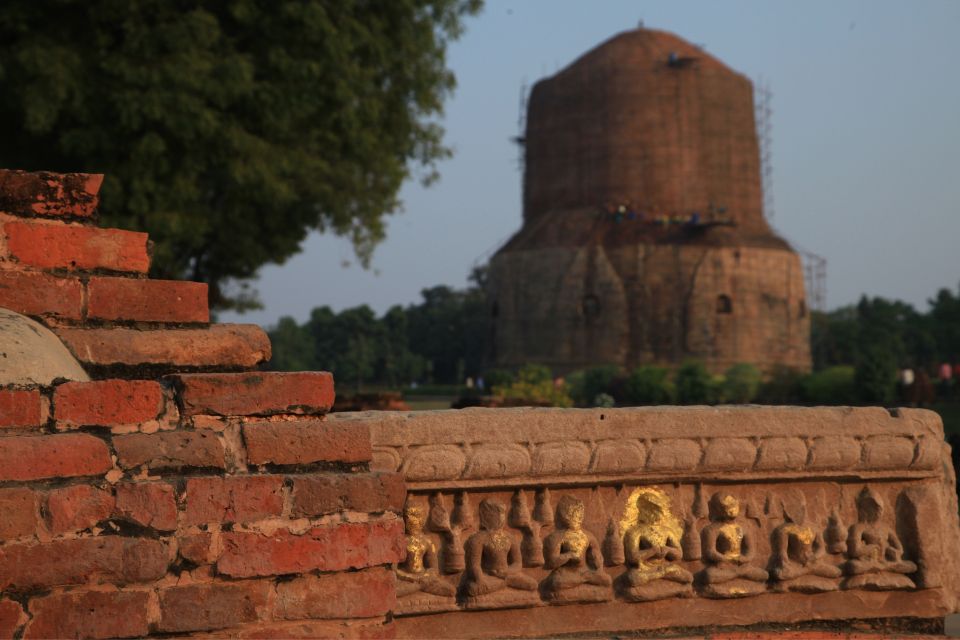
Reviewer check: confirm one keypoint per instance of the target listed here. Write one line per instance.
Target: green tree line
(440, 339)
(857, 352)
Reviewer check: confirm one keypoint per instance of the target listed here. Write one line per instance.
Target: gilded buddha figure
(574, 556)
(493, 555)
(652, 549)
(876, 554)
(728, 548)
(799, 555)
(418, 570)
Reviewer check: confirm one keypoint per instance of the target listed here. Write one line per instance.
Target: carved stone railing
(543, 521)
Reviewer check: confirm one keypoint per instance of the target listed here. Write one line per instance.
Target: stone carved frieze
(429, 463)
(642, 543)
(474, 448)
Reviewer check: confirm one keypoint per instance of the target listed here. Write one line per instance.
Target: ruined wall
(575, 307)
(532, 522)
(153, 494)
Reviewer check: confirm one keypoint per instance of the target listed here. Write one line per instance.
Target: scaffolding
(764, 124)
(815, 279)
(521, 138)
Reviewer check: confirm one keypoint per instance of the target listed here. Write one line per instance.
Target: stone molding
(527, 447)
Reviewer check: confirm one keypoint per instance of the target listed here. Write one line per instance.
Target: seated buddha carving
(799, 555)
(875, 553)
(728, 548)
(652, 549)
(493, 561)
(418, 570)
(574, 556)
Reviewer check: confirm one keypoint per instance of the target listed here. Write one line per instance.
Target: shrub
(534, 385)
(604, 400)
(586, 384)
(784, 386)
(650, 385)
(693, 383)
(875, 378)
(497, 378)
(741, 383)
(834, 385)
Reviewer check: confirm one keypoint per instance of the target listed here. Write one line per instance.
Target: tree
(649, 384)
(293, 347)
(875, 377)
(741, 383)
(693, 383)
(229, 129)
(945, 321)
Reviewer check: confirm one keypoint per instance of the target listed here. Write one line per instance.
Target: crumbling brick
(306, 441)
(147, 300)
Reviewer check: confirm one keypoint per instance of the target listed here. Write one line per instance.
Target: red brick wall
(178, 491)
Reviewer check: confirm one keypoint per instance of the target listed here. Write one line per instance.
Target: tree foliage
(441, 339)
(229, 129)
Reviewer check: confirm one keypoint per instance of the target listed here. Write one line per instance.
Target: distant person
(480, 383)
(922, 392)
(946, 379)
(905, 380)
(469, 382)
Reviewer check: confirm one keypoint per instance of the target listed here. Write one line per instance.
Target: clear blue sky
(866, 144)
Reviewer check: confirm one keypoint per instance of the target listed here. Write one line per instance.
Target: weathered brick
(306, 441)
(196, 547)
(11, 617)
(319, 494)
(354, 594)
(25, 567)
(151, 504)
(212, 606)
(170, 449)
(107, 402)
(69, 246)
(364, 629)
(78, 507)
(233, 499)
(42, 193)
(255, 394)
(41, 294)
(20, 408)
(19, 507)
(147, 300)
(220, 345)
(53, 456)
(89, 614)
(330, 548)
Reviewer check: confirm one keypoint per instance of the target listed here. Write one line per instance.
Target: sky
(865, 144)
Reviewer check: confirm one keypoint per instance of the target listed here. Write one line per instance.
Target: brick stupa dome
(644, 239)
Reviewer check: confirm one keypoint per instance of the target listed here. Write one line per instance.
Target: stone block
(305, 442)
(54, 195)
(170, 450)
(224, 345)
(53, 456)
(255, 393)
(107, 402)
(90, 614)
(44, 245)
(131, 299)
